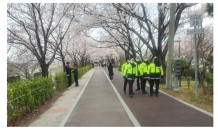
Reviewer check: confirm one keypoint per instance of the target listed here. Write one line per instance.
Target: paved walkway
(100, 102)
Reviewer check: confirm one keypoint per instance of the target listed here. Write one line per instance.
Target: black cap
(68, 62)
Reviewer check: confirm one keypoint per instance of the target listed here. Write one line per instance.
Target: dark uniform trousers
(76, 79)
(156, 81)
(111, 77)
(130, 86)
(125, 83)
(69, 80)
(138, 85)
(143, 84)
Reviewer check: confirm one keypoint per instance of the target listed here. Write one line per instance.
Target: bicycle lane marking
(188, 104)
(74, 104)
(129, 113)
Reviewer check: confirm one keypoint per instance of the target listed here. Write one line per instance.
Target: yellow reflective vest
(123, 67)
(155, 71)
(130, 71)
(143, 68)
(137, 63)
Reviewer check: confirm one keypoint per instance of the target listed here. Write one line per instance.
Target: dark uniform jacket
(75, 71)
(68, 70)
(110, 69)
(155, 70)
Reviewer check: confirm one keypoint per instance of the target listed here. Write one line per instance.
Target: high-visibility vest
(155, 71)
(143, 68)
(123, 67)
(131, 71)
(137, 64)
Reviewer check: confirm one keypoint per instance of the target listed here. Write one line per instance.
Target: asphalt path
(103, 103)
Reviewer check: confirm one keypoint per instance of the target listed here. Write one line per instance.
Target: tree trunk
(64, 69)
(201, 81)
(180, 78)
(127, 56)
(63, 62)
(164, 71)
(188, 81)
(44, 71)
(187, 77)
(44, 68)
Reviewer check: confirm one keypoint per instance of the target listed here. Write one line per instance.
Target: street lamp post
(179, 45)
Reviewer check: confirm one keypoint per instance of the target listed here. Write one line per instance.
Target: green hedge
(25, 95)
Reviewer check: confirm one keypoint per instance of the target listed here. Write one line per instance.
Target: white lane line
(197, 108)
(74, 104)
(129, 113)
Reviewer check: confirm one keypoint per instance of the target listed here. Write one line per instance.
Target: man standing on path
(143, 68)
(110, 70)
(130, 72)
(155, 71)
(137, 63)
(75, 75)
(68, 70)
(125, 79)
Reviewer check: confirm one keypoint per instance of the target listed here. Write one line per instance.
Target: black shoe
(137, 89)
(144, 92)
(150, 95)
(124, 92)
(77, 86)
(131, 94)
(156, 95)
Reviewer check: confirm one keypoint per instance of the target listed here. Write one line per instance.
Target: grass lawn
(204, 102)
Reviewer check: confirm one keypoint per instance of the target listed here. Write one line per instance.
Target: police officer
(143, 68)
(137, 63)
(131, 74)
(155, 72)
(75, 75)
(68, 70)
(122, 70)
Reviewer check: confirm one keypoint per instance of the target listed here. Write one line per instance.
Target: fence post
(8, 109)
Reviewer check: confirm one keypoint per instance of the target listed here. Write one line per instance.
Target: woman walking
(111, 73)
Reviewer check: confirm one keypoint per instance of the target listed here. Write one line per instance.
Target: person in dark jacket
(111, 73)
(68, 70)
(75, 73)
(155, 73)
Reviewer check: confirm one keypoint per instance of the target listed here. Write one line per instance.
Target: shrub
(25, 95)
(209, 78)
(192, 73)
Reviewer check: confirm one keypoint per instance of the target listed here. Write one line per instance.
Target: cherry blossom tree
(31, 25)
(204, 48)
(205, 54)
(125, 23)
(22, 63)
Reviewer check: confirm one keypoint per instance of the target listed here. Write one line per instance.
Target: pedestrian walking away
(131, 74)
(75, 73)
(110, 70)
(155, 72)
(125, 79)
(68, 70)
(137, 63)
(143, 68)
